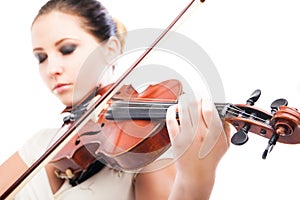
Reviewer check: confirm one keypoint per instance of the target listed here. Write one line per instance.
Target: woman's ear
(113, 47)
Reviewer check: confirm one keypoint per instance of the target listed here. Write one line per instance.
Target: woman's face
(61, 47)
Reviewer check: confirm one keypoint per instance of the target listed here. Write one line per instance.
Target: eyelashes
(41, 57)
(67, 49)
(64, 50)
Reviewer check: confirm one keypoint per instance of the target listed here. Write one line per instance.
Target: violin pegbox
(241, 136)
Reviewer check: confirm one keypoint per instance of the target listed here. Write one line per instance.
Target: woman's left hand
(199, 141)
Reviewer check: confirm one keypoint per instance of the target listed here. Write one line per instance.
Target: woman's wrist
(196, 187)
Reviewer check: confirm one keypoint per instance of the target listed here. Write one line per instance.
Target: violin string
(149, 104)
(231, 109)
(218, 105)
(236, 111)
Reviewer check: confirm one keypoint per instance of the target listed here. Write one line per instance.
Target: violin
(131, 132)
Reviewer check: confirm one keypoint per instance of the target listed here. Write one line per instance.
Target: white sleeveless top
(107, 184)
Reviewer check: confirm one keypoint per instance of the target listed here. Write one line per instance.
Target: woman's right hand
(10, 171)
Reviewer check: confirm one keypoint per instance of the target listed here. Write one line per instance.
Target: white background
(254, 44)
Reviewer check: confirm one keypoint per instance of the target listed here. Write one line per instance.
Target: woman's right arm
(10, 171)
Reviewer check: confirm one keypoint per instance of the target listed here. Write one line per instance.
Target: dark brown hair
(95, 17)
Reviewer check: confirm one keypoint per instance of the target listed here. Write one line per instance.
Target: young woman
(64, 34)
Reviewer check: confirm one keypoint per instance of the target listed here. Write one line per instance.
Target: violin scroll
(286, 120)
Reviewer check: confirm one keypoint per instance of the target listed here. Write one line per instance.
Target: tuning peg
(275, 105)
(254, 97)
(270, 146)
(241, 137)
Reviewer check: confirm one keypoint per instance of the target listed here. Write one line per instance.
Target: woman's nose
(55, 67)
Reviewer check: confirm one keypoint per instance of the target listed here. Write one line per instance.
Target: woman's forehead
(54, 26)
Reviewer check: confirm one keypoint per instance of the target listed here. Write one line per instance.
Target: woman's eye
(41, 57)
(67, 49)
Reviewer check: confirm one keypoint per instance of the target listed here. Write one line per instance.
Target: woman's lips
(61, 88)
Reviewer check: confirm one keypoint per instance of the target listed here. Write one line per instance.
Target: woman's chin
(68, 100)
